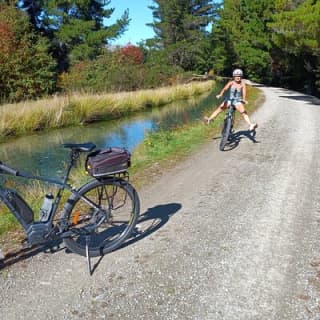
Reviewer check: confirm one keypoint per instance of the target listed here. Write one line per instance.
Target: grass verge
(163, 148)
(78, 109)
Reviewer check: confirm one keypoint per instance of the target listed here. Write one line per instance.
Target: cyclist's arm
(224, 89)
(244, 93)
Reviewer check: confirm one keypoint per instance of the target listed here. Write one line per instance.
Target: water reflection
(42, 153)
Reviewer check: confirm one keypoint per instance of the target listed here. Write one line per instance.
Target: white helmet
(237, 73)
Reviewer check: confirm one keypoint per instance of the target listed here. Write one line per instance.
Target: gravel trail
(223, 235)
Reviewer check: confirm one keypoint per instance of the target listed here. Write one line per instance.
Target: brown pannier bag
(108, 161)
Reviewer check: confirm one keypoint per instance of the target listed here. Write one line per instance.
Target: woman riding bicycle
(237, 94)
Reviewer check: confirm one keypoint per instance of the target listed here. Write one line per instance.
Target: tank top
(235, 94)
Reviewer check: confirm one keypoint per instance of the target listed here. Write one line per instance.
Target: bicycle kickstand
(88, 255)
(1, 255)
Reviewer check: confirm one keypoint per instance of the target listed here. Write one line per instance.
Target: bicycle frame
(37, 231)
(230, 113)
(227, 126)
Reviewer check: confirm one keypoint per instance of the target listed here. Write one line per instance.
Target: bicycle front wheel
(226, 131)
(112, 224)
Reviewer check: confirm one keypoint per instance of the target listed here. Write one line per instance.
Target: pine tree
(76, 28)
(296, 35)
(180, 28)
(241, 34)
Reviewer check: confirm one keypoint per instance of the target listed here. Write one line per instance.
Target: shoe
(253, 127)
(206, 120)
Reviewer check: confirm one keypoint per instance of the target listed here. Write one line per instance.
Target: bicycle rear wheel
(226, 131)
(119, 210)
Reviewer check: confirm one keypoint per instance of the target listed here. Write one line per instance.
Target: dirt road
(225, 235)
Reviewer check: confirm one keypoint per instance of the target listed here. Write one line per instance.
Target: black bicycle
(227, 126)
(96, 218)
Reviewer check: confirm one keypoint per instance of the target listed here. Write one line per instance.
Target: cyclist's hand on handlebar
(244, 101)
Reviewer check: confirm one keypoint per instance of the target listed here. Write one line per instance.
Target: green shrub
(26, 68)
(111, 73)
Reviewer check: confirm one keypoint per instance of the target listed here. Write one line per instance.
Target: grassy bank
(158, 151)
(164, 148)
(78, 109)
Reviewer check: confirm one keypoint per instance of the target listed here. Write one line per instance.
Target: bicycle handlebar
(8, 170)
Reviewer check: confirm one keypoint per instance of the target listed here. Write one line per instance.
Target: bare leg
(216, 112)
(242, 110)
(246, 118)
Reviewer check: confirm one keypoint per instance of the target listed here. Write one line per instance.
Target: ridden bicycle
(227, 126)
(96, 218)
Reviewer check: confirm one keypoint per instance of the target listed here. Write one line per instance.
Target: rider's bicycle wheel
(226, 131)
(106, 229)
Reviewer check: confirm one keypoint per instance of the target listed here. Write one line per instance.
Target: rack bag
(108, 161)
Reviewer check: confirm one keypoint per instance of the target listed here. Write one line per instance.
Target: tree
(76, 28)
(296, 36)
(241, 35)
(26, 68)
(180, 28)
(131, 53)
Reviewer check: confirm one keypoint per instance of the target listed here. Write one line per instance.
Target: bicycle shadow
(149, 222)
(152, 220)
(236, 137)
(25, 253)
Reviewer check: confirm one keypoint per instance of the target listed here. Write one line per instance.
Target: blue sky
(139, 13)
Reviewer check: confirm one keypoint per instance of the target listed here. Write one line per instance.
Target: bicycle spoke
(117, 208)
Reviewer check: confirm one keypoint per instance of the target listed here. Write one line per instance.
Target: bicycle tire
(227, 125)
(121, 204)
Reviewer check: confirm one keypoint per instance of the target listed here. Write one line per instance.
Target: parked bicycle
(96, 218)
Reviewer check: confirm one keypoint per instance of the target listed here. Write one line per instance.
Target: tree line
(47, 46)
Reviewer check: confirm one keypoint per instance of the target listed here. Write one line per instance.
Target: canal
(42, 153)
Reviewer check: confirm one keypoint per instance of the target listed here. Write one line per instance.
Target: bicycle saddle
(80, 147)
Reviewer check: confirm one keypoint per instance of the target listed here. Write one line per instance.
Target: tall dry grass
(77, 108)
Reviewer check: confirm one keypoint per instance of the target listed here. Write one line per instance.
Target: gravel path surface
(224, 235)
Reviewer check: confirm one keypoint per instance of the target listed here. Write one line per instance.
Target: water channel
(42, 153)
